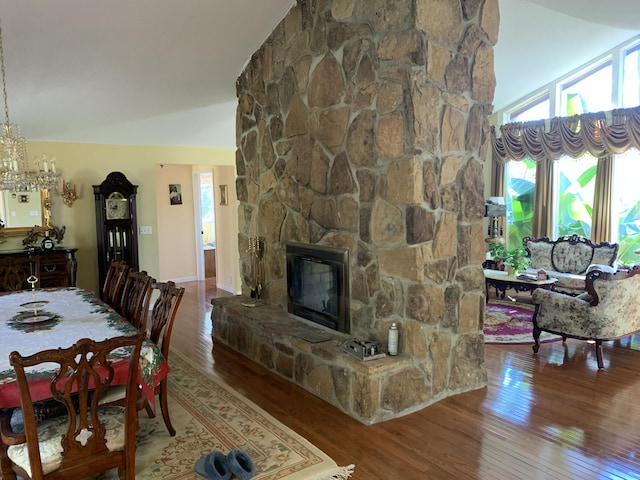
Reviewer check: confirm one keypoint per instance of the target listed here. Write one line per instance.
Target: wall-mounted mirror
(21, 211)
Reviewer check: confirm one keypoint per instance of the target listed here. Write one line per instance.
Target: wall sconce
(69, 193)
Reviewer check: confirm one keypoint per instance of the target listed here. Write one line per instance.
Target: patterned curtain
(543, 199)
(601, 217)
(601, 134)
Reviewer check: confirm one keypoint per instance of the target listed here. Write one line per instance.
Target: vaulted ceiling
(162, 72)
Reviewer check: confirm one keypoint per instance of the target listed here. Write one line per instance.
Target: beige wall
(88, 165)
(176, 224)
(227, 254)
(177, 243)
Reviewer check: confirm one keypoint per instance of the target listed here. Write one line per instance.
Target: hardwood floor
(546, 416)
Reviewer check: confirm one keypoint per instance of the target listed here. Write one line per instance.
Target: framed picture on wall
(175, 194)
(224, 195)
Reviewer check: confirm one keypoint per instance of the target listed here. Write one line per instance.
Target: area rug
(511, 322)
(208, 415)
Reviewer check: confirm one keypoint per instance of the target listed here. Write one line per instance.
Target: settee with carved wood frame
(568, 259)
(609, 309)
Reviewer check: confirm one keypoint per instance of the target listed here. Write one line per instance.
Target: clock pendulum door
(118, 238)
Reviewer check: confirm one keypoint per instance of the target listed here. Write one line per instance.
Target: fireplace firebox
(318, 284)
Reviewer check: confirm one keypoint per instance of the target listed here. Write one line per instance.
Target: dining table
(41, 319)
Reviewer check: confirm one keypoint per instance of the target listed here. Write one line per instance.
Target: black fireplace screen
(315, 286)
(318, 284)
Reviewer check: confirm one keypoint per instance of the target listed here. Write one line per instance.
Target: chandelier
(15, 173)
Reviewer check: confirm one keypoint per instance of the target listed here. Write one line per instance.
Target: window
(521, 180)
(535, 110)
(631, 78)
(593, 89)
(574, 187)
(521, 183)
(590, 92)
(626, 206)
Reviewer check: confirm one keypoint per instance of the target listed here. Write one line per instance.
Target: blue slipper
(213, 466)
(241, 464)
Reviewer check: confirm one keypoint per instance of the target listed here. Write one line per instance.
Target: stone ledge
(267, 335)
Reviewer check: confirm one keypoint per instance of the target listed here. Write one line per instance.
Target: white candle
(45, 165)
(53, 164)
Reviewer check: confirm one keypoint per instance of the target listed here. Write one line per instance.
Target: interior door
(206, 226)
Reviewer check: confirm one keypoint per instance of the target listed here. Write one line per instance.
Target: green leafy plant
(516, 258)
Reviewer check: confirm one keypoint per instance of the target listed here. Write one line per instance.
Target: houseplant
(515, 259)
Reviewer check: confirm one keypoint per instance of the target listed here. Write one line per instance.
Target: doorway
(207, 223)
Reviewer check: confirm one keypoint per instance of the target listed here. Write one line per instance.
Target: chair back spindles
(114, 283)
(164, 313)
(136, 298)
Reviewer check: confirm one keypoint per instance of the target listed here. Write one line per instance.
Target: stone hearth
(362, 124)
(371, 391)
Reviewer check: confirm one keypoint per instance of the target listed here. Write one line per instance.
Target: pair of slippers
(218, 466)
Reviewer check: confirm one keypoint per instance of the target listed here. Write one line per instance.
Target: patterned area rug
(209, 415)
(511, 322)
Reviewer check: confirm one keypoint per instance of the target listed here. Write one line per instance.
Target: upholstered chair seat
(51, 431)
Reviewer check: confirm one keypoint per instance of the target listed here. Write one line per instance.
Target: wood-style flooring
(548, 416)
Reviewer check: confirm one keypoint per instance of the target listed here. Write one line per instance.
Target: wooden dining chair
(88, 439)
(136, 298)
(163, 316)
(114, 282)
(14, 272)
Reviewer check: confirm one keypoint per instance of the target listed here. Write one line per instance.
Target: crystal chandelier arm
(15, 174)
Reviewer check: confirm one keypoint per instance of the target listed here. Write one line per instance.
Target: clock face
(47, 243)
(117, 206)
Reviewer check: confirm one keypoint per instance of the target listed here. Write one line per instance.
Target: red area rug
(511, 322)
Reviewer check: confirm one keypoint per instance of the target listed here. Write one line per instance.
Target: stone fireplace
(362, 125)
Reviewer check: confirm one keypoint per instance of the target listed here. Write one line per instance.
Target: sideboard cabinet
(55, 268)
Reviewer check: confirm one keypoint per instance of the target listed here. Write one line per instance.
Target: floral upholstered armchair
(609, 309)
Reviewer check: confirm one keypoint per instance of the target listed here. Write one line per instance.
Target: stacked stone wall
(363, 124)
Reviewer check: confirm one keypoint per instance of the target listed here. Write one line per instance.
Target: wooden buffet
(57, 267)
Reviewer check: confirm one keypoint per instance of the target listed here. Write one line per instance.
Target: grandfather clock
(116, 223)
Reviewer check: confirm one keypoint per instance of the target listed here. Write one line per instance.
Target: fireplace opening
(318, 284)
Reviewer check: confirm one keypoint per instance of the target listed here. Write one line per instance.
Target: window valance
(601, 134)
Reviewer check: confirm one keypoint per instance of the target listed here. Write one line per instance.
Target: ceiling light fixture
(14, 164)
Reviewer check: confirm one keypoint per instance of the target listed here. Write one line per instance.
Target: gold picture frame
(224, 195)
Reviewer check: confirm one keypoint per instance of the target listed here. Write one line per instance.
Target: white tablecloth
(77, 314)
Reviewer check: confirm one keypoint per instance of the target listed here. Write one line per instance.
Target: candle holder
(256, 267)
(69, 193)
